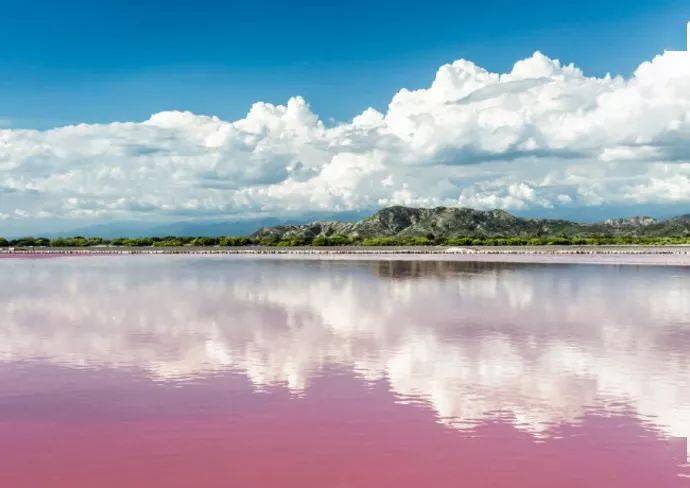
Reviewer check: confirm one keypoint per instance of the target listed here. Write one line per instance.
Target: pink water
(230, 371)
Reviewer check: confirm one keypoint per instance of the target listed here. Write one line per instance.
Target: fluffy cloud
(543, 135)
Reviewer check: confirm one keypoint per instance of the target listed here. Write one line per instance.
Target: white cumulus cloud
(543, 135)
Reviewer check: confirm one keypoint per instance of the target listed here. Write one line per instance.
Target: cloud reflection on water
(541, 344)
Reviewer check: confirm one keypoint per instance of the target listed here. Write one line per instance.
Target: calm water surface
(163, 371)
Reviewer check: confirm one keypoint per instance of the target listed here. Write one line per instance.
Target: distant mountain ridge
(205, 228)
(447, 222)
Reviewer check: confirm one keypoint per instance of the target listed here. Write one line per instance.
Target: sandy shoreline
(628, 255)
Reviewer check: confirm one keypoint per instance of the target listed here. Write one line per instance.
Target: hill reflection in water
(483, 370)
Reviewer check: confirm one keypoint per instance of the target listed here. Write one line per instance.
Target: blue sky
(84, 61)
(156, 113)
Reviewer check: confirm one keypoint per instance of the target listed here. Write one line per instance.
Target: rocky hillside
(445, 222)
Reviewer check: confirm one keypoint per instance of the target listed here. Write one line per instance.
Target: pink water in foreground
(231, 371)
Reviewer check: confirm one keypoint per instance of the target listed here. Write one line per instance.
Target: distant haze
(248, 226)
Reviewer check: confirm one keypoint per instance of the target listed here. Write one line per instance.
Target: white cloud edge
(543, 135)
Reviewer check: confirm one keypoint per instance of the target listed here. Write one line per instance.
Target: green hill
(448, 222)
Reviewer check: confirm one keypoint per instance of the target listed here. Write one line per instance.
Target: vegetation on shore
(406, 226)
(336, 240)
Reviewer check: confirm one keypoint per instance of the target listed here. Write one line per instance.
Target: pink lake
(218, 371)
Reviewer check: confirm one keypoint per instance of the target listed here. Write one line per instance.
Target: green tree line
(337, 240)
